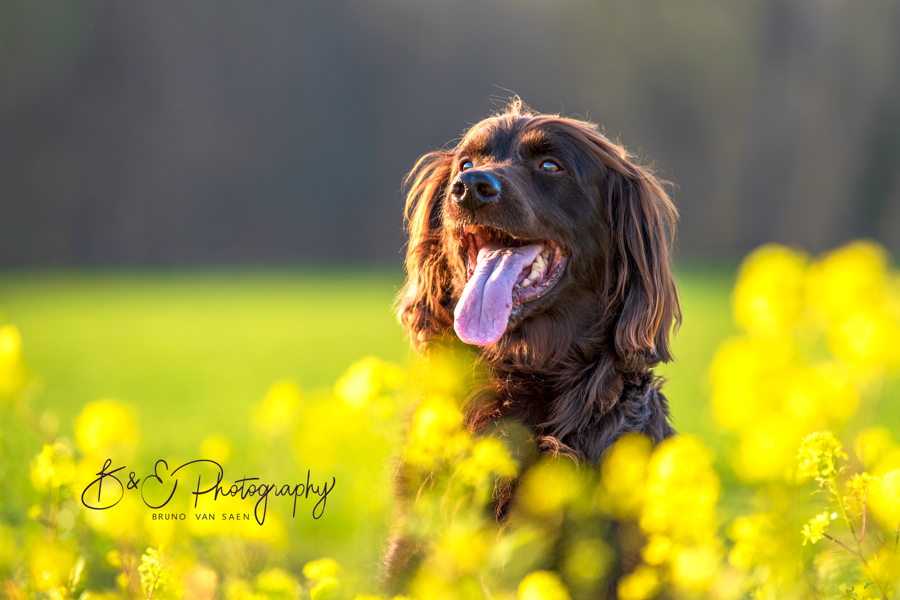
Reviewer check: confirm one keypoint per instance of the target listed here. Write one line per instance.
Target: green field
(195, 351)
(192, 349)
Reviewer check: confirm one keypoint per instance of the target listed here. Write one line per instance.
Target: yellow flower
(49, 564)
(367, 379)
(551, 486)
(861, 486)
(487, 457)
(750, 540)
(657, 550)
(105, 424)
(885, 501)
(462, 548)
(324, 588)
(682, 490)
(766, 447)
(153, 571)
(866, 338)
(436, 432)
(543, 585)
(216, 447)
(276, 584)
(53, 467)
(322, 568)
(747, 377)
(819, 453)
(275, 413)
(623, 476)
(694, 568)
(873, 444)
(815, 528)
(851, 291)
(846, 279)
(642, 584)
(12, 369)
(768, 295)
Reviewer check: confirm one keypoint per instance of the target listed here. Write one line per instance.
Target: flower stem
(858, 552)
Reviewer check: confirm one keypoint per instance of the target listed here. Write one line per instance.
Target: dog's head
(536, 232)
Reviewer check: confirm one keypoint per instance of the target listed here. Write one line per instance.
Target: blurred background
(197, 199)
(219, 133)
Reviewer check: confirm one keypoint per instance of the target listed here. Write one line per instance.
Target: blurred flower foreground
(800, 500)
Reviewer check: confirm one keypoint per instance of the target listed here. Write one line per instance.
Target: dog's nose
(474, 189)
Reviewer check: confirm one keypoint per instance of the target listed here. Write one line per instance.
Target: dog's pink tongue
(486, 303)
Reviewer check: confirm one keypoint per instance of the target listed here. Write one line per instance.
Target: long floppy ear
(422, 305)
(641, 219)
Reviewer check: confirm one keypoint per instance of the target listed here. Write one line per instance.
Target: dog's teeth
(526, 283)
(545, 255)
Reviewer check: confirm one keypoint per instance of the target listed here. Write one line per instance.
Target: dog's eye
(467, 164)
(549, 165)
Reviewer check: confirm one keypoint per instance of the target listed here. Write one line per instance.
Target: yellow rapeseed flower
(860, 488)
(105, 424)
(818, 456)
(322, 568)
(436, 432)
(276, 584)
(12, 369)
(462, 548)
(694, 568)
(766, 447)
(543, 585)
(275, 413)
(750, 535)
(874, 445)
(847, 279)
(641, 584)
(747, 377)
(216, 447)
(487, 457)
(49, 564)
(682, 490)
(885, 501)
(866, 338)
(768, 295)
(53, 467)
(815, 528)
(153, 571)
(551, 486)
(368, 379)
(623, 476)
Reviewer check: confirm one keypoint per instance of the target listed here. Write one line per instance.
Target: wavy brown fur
(575, 366)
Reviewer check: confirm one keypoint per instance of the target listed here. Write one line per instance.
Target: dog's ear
(422, 305)
(641, 219)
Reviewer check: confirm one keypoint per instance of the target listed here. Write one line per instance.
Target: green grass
(192, 349)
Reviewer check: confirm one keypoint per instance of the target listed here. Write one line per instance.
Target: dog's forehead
(496, 136)
(505, 136)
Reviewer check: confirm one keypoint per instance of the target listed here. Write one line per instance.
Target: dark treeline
(235, 132)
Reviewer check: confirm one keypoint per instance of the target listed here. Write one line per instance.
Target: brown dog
(542, 243)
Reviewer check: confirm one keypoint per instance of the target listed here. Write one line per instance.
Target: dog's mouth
(503, 274)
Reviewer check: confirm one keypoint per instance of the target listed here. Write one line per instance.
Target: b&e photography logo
(158, 489)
